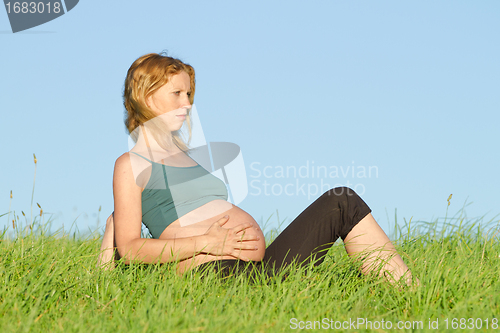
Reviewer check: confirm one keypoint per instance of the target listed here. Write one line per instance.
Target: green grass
(49, 283)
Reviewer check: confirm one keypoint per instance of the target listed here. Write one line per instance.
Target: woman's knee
(110, 220)
(349, 205)
(341, 192)
(345, 198)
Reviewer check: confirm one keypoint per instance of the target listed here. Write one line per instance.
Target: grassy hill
(51, 283)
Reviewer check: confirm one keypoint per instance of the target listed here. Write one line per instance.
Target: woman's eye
(189, 94)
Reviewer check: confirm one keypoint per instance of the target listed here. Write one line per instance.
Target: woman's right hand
(223, 241)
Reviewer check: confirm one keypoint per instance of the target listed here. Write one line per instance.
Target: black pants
(310, 234)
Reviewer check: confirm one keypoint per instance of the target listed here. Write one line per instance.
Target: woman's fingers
(223, 220)
(246, 236)
(242, 227)
(239, 228)
(245, 246)
(232, 241)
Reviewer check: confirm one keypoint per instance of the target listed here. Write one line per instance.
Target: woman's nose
(186, 104)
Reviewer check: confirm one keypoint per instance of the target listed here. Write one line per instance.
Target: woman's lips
(182, 116)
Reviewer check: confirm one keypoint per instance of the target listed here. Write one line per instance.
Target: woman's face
(171, 101)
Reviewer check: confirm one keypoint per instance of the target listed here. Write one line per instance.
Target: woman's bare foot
(369, 243)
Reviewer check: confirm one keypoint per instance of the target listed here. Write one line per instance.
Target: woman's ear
(149, 101)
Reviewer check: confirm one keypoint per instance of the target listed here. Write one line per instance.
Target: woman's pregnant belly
(198, 221)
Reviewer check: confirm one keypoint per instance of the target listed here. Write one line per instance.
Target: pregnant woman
(185, 207)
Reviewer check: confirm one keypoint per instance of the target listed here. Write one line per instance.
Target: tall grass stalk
(8, 216)
(33, 192)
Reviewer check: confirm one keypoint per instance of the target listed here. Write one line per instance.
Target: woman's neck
(147, 145)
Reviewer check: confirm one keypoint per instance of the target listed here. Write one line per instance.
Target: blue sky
(409, 89)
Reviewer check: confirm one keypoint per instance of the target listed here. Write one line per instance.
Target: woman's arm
(127, 228)
(106, 259)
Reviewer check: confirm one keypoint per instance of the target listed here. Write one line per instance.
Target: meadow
(49, 283)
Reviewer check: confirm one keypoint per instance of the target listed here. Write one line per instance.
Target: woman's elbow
(126, 251)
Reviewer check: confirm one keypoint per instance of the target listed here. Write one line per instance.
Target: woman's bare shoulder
(127, 160)
(123, 165)
(130, 166)
(123, 158)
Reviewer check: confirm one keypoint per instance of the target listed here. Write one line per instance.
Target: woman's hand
(221, 241)
(107, 254)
